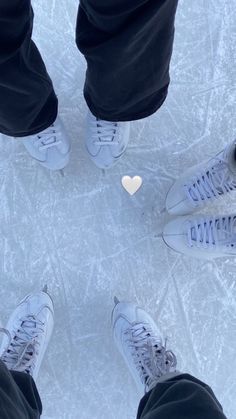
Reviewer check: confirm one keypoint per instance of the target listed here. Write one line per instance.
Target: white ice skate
(106, 141)
(27, 334)
(51, 147)
(202, 237)
(139, 341)
(203, 183)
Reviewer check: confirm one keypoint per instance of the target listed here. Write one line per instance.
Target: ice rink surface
(85, 237)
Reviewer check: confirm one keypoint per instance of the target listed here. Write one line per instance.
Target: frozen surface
(88, 239)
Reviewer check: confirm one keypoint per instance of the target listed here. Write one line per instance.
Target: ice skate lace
(104, 132)
(47, 139)
(209, 233)
(22, 348)
(151, 358)
(214, 182)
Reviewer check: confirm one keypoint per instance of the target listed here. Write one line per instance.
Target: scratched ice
(88, 239)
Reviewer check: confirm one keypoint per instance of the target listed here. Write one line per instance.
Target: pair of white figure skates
(105, 142)
(30, 326)
(205, 237)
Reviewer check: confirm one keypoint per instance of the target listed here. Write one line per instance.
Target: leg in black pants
(19, 398)
(180, 397)
(27, 100)
(128, 46)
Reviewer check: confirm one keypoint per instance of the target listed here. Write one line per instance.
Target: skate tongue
(225, 179)
(107, 131)
(26, 351)
(30, 323)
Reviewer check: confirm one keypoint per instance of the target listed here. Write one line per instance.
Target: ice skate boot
(141, 345)
(106, 141)
(27, 334)
(202, 237)
(51, 147)
(203, 183)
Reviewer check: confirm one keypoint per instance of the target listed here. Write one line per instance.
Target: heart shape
(131, 185)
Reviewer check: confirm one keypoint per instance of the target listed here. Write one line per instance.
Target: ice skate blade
(116, 300)
(163, 211)
(45, 289)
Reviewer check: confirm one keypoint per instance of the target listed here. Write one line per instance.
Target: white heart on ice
(131, 185)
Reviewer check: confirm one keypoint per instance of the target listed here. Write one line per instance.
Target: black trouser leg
(19, 398)
(27, 100)
(128, 47)
(180, 397)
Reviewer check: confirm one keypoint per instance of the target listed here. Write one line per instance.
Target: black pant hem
(36, 130)
(123, 118)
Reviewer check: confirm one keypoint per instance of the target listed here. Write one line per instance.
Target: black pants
(127, 45)
(182, 397)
